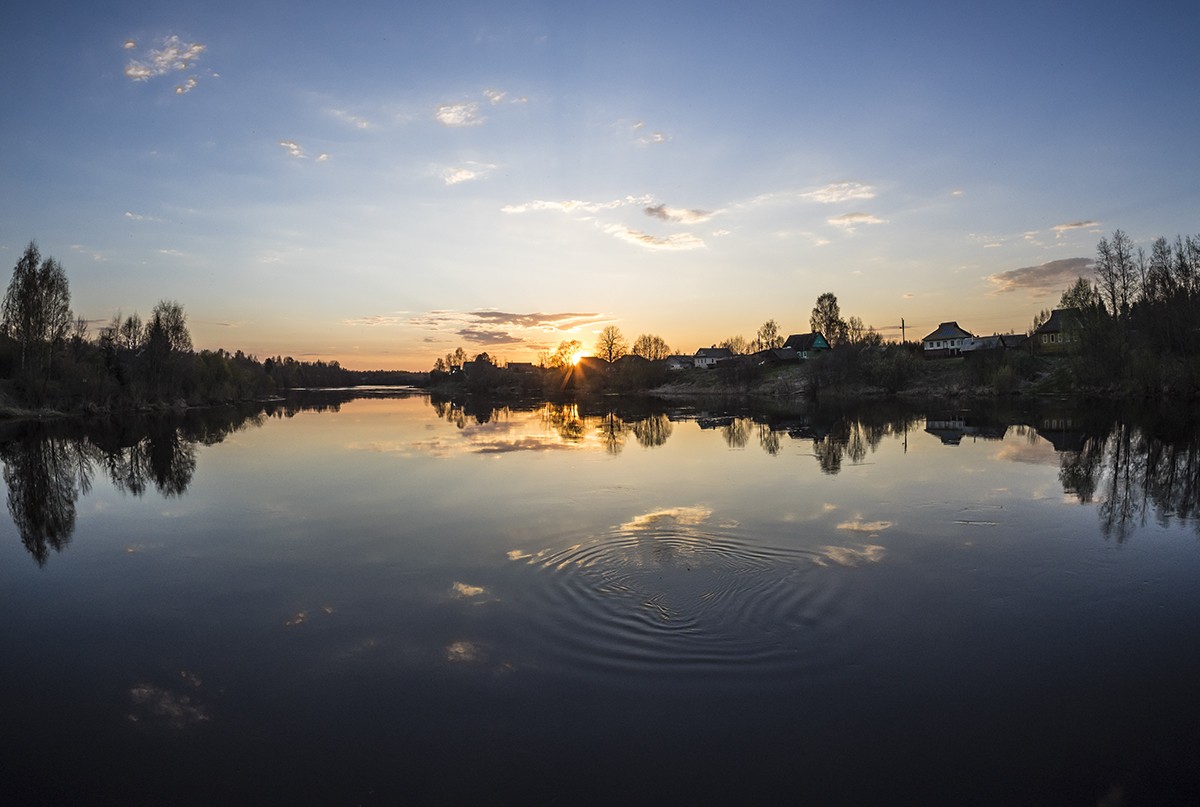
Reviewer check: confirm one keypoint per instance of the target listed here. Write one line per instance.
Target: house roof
(948, 330)
(777, 354)
(714, 353)
(807, 341)
(1060, 318)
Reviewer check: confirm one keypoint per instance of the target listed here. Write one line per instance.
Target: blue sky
(380, 183)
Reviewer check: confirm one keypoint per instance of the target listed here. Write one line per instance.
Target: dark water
(391, 600)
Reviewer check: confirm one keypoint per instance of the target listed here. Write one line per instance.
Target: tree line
(1134, 328)
(49, 357)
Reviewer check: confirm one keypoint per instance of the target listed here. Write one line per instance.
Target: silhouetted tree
(37, 311)
(611, 345)
(827, 320)
(650, 346)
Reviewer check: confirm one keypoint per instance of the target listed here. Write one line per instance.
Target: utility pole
(901, 330)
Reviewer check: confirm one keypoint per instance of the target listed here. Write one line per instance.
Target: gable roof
(714, 353)
(948, 330)
(1060, 320)
(807, 341)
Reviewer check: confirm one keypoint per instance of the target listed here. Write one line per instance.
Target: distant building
(1056, 334)
(806, 345)
(947, 340)
(680, 362)
(709, 356)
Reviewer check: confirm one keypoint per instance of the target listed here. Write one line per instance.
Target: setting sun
(576, 356)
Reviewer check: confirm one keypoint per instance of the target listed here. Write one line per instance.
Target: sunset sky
(379, 183)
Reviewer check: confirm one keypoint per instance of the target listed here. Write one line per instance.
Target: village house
(1057, 333)
(677, 362)
(709, 356)
(806, 344)
(947, 340)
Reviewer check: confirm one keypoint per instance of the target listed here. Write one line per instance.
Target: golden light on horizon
(576, 356)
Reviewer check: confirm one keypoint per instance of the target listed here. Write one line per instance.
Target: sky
(378, 183)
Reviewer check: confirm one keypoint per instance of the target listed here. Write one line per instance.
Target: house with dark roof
(947, 340)
(677, 362)
(776, 355)
(806, 344)
(1056, 334)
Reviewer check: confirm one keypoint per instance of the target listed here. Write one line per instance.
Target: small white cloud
(322, 157)
(850, 221)
(495, 96)
(957, 192)
(174, 253)
(456, 174)
(139, 217)
(459, 115)
(186, 87)
(293, 149)
(840, 192)
(174, 55)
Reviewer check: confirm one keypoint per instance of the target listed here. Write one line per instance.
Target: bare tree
(737, 345)
(651, 346)
(768, 335)
(1116, 273)
(611, 345)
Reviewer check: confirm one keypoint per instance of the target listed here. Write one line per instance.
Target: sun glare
(575, 357)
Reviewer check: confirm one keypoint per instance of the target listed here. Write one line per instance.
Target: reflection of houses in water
(952, 428)
(1061, 433)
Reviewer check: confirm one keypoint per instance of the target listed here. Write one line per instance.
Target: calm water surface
(392, 600)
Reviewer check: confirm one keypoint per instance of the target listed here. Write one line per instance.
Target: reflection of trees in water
(45, 476)
(47, 467)
(1135, 472)
(737, 432)
(613, 432)
(653, 430)
(853, 437)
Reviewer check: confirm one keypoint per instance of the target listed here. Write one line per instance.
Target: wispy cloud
(679, 215)
(576, 205)
(350, 119)
(173, 55)
(1062, 229)
(495, 96)
(840, 192)
(459, 115)
(676, 242)
(186, 87)
(851, 221)
(648, 138)
(139, 217)
(1047, 278)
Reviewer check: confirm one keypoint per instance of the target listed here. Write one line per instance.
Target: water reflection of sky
(559, 587)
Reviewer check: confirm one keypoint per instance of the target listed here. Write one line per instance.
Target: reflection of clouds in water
(1039, 453)
(847, 556)
(465, 590)
(856, 524)
(464, 653)
(302, 616)
(681, 516)
(174, 709)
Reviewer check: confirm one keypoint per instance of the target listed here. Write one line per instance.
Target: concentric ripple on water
(664, 590)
